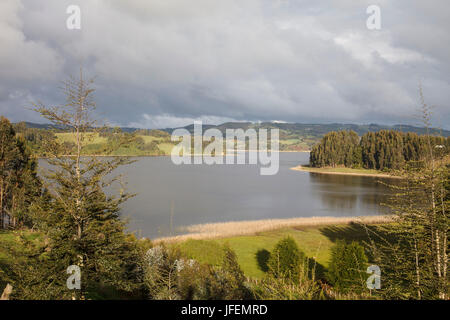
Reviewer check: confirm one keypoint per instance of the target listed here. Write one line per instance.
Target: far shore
(252, 227)
(345, 171)
(161, 155)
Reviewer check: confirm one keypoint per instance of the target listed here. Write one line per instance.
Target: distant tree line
(385, 149)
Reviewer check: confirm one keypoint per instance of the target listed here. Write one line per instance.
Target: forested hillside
(293, 136)
(385, 149)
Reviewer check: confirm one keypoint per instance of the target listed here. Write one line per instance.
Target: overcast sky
(164, 63)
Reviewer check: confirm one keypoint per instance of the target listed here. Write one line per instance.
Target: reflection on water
(351, 192)
(217, 193)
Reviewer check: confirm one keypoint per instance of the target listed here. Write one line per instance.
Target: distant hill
(316, 129)
(49, 126)
(298, 128)
(38, 125)
(293, 136)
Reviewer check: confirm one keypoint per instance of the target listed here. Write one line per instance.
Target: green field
(315, 242)
(155, 145)
(95, 144)
(90, 138)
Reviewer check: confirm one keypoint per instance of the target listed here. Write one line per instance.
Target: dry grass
(240, 228)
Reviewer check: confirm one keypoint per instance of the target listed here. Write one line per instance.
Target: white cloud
(366, 48)
(170, 121)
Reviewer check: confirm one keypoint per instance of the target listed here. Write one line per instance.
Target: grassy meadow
(252, 250)
(148, 145)
(94, 144)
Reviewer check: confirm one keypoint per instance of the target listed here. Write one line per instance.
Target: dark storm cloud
(167, 62)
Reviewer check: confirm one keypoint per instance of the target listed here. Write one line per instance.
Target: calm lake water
(171, 196)
(217, 193)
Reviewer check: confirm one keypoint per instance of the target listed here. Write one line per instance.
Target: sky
(166, 63)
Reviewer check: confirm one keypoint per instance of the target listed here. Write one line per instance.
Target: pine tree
(286, 260)
(414, 255)
(347, 269)
(336, 149)
(19, 184)
(81, 222)
(385, 149)
(233, 278)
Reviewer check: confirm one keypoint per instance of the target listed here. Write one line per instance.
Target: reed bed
(241, 228)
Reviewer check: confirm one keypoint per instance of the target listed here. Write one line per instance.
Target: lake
(171, 196)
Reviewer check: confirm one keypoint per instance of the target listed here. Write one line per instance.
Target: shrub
(169, 275)
(286, 259)
(291, 276)
(226, 282)
(233, 276)
(271, 288)
(160, 272)
(347, 269)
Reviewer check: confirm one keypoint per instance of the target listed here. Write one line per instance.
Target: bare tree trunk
(7, 292)
(444, 296)
(2, 215)
(444, 242)
(419, 295)
(436, 238)
(435, 234)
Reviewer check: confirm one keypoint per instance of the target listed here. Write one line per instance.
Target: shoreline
(161, 155)
(252, 227)
(318, 170)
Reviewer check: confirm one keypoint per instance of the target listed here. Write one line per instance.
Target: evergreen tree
(347, 269)
(234, 277)
(19, 184)
(385, 149)
(414, 256)
(337, 148)
(286, 260)
(80, 221)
